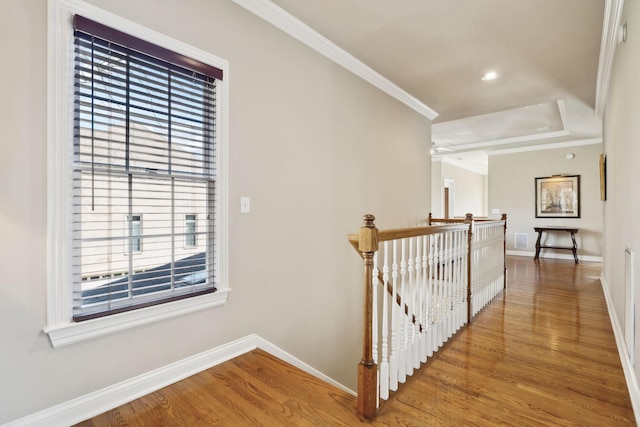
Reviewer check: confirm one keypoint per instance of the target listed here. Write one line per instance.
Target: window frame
(60, 327)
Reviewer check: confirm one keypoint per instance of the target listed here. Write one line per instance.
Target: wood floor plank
(542, 353)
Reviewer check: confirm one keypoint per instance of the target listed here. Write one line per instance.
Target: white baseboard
(95, 403)
(283, 355)
(629, 373)
(553, 255)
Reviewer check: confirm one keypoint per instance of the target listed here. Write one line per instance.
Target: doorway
(448, 197)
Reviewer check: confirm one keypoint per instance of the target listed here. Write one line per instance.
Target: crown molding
(291, 25)
(563, 113)
(552, 146)
(510, 140)
(608, 43)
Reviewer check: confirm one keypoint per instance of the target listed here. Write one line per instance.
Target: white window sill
(69, 333)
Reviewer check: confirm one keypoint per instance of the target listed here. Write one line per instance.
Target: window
(190, 230)
(133, 228)
(142, 138)
(144, 141)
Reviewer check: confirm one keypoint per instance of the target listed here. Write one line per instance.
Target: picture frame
(603, 177)
(558, 196)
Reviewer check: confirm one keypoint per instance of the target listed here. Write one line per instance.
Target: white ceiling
(545, 51)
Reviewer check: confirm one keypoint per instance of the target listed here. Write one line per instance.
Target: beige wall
(621, 137)
(313, 146)
(511, 189)
(469, 190)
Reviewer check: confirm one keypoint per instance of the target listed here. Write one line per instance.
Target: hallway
(542, 353)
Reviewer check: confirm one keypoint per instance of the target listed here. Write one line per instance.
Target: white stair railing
(487, 264)
(422, 286)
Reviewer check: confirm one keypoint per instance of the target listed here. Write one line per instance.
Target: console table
(573, 248)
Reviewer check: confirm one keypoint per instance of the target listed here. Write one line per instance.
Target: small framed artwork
(558, 196)
(603, 177)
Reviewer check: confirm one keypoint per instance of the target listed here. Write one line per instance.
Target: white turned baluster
(423, 300)
(455, 261)
(395, 313)
(434, 295)
(402, 372)
(384, 364)
(455, 264)
(450, 284)
(441, 292)
(445, 286)
(374, 320)
(429, 299)
(415, 298)
(461, 277)
(409, 298)
(374, 309)
(481, 270)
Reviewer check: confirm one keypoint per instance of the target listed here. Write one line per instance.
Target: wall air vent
(522, 241)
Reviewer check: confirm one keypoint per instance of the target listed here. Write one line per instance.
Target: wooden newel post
(469, 220)
(367, 369)
(504, 218)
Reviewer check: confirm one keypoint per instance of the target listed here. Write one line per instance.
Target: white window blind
(144, 150)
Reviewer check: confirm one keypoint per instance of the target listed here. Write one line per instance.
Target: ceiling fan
(435, 148)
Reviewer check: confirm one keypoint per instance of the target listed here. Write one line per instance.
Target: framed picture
(603, 177)
(558, 196)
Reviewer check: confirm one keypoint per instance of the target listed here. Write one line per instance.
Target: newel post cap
(368, 238)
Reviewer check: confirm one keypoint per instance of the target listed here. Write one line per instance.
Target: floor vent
(522, 240)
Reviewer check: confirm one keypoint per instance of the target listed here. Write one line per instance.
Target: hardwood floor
(541, 354)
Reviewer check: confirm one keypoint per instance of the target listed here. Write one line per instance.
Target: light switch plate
(245, 205)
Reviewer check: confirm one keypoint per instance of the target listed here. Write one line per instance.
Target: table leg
(575, 247)
(538, 245)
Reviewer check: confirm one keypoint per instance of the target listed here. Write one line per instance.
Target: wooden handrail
(431, 219)
(402, 233)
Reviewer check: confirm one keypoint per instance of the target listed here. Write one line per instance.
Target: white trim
(608, 43)
(60, 327)
(97, 402)
(297, 29)
(71, 333)
(553, 146)
(477, 168)
(511, 140)
(586, 258)
(563, 113)
(627, 367)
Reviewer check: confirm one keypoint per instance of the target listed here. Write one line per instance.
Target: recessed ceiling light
(491, 75)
